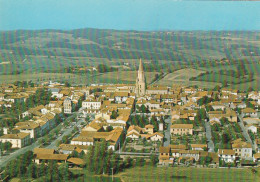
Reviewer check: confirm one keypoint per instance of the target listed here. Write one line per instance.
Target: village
(181, 126)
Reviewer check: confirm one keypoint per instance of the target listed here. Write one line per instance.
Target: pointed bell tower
(140, 87)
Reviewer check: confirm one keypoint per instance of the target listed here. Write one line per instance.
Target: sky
(129, 14)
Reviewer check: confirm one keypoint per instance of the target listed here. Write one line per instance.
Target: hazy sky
(129, 14)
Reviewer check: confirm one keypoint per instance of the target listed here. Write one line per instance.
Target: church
(140, 88)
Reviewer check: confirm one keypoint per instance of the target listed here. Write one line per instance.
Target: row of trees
(142, 109)
(24, 84)
(100, 160)
(144, 120)
(24, 167)
(5, 146)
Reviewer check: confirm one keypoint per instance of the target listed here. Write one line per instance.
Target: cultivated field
(181, 77)
(109, 77)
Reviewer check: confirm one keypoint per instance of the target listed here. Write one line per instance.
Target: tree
(114, 114)
(250, 89)
(216, 88)
(64, 171)
(154, 159)
(1, 131)
(226, 138)
(143, 109)
(67, 84)
(224, 84)
(109, 128)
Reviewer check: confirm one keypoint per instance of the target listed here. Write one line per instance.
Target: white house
(252, 128)
(228, 155)
(91, 104)
(17, 140)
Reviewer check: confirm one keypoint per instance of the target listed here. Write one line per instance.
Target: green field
(148, 173)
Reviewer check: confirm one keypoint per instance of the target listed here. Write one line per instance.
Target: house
(94, 126)
(69, 148)
(182, 129)
(43, 151)
(89, 137)
(256, 157)
(249, 112)
(218, 106)
(76, 162)
(92, 104)
(228, 155)
(32, 128)
(189, 154)
(242, 149)
(252, 128)
(135, 129)
(120, 97)
(68, 106)
(157, 90)
(164, 156)
(42, 157)
(198, 146)
(55, 92)
(82, 140)
(149, 128)
(133, 135)
(18, 140)
(156, 137)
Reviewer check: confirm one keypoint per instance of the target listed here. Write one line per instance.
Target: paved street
(66, 132)
(5, 159)
(244, 132)
(167, 132)
(208, 135)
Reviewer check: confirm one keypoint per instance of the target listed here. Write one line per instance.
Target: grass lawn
(148, 173)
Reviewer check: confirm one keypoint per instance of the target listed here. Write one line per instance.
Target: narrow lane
(209, 137)
(167, 132)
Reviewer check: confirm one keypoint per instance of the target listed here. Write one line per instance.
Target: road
(66, 132)
(5, 159)
(167, 132)
(208, 136)
(244, 131)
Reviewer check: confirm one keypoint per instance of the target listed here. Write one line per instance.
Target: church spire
(141, 68)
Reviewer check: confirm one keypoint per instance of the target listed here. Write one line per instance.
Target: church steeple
(141, 68)
(140, 81)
